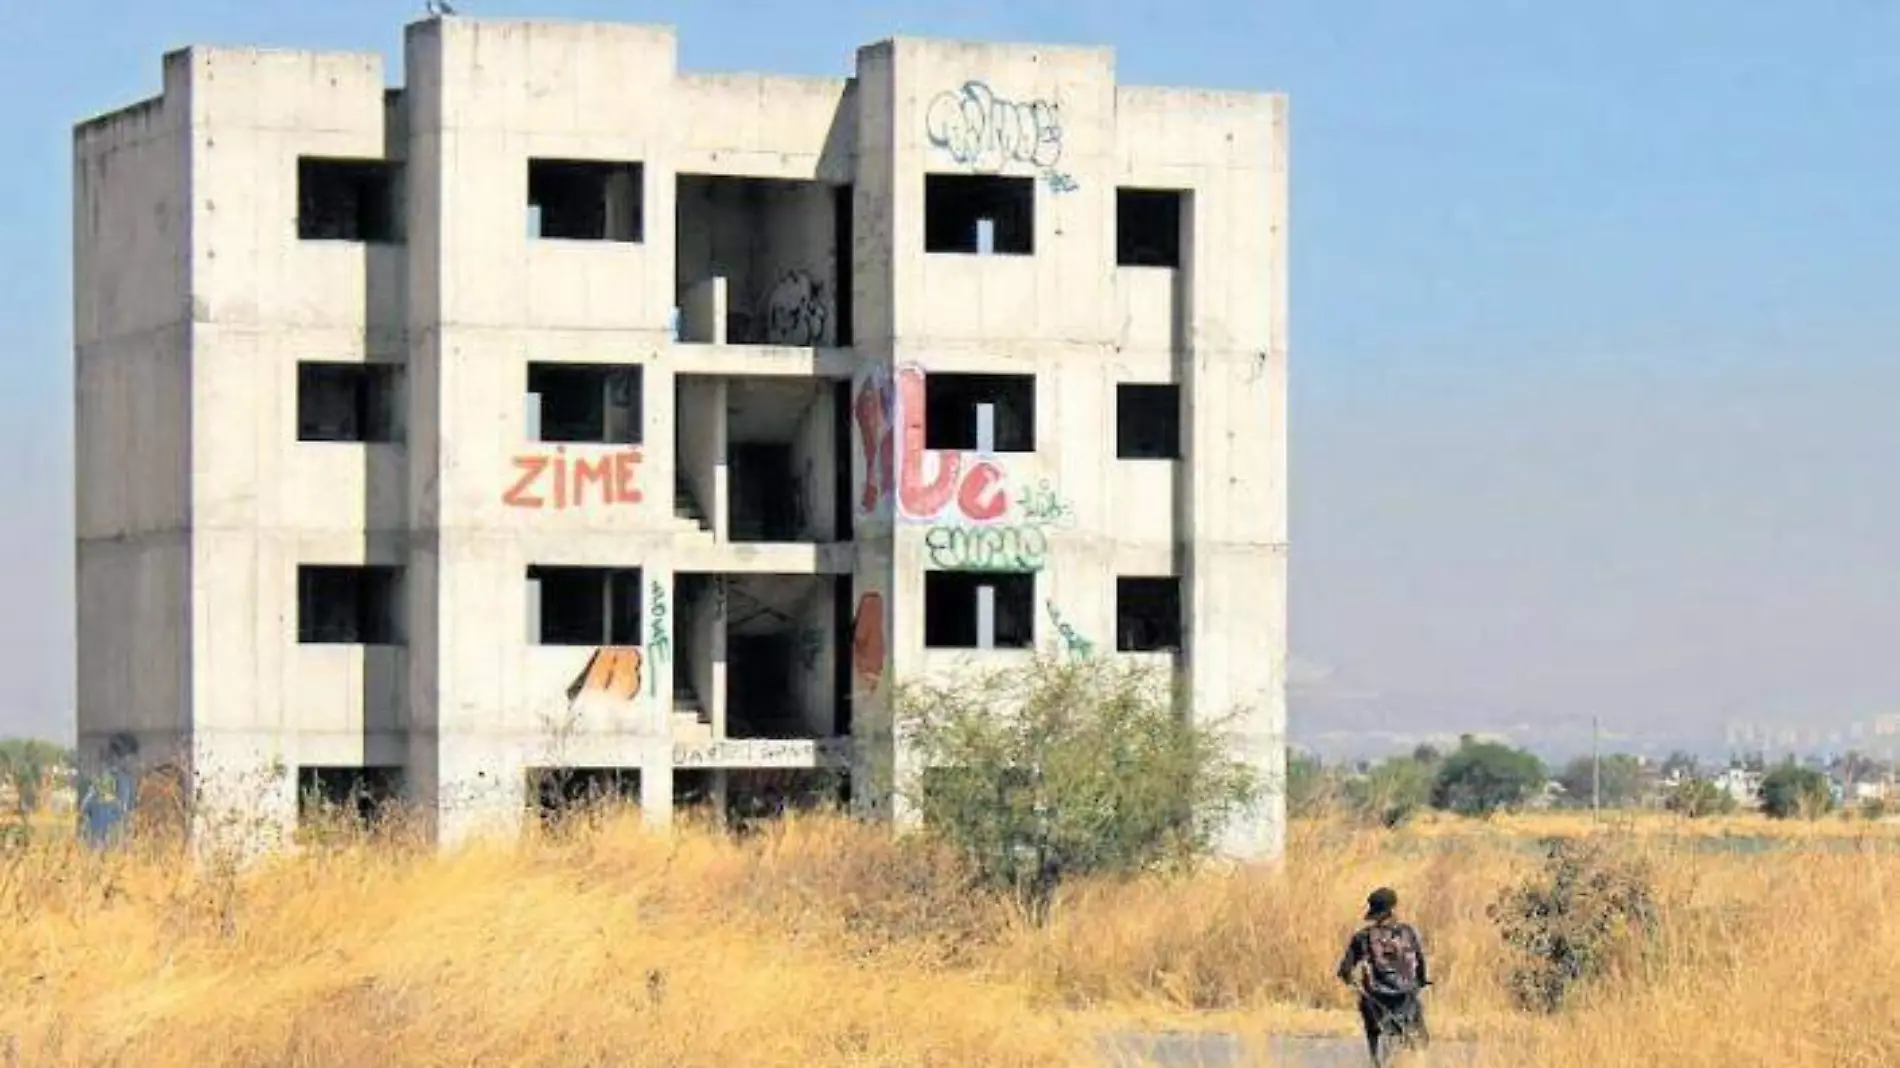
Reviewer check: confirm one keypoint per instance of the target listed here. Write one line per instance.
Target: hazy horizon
(1595, 331)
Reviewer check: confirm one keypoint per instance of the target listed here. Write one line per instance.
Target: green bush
(1393, 791)
(1618, 778)
(1480, 778)
(1096, 770)
(1791, 791)
(1697, 798)
(1312, 788)
(1588, 905)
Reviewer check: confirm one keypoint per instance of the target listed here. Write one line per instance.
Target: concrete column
(656, 788)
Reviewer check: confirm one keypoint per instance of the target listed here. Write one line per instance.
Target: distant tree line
(1479, 778)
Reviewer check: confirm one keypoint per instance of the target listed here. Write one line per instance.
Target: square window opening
(585, 403)
(1147, 422)
(348, 605)
(353, 402)
(987, 413)
(1148, 227)
(979, 213)
(359, 795)
(557, 794)
(1147, 615)
(584, 605)
(586, 200)
(979, 610)
(347, 200)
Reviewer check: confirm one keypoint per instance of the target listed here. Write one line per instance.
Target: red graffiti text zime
(563, 481)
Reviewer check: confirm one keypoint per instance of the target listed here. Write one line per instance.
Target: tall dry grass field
(819, 942)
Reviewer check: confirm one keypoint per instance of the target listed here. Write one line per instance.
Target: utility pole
(1596, 770)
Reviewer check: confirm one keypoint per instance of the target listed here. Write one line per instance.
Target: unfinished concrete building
(564, 411)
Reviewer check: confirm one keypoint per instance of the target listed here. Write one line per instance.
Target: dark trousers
(1398, 1017)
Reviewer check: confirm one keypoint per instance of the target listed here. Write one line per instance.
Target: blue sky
(1595, 338)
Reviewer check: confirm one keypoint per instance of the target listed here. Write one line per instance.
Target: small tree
(1480, 778)
(1394, 791)
(1697, 798)
(1791, 790)
(1068, 767)
(1621, 774)
(1311, 787)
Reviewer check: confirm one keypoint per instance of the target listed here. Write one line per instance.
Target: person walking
(1385, 964)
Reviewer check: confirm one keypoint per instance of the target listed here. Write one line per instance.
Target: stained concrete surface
(1187, 1049)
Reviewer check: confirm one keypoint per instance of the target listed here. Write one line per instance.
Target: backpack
(1392, 959)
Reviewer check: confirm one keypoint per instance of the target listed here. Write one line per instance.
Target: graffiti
(986, 132)
(659, 636)
(989, 548)
(1043, 505)
(1072, 639)
(762, 752)
(566, 480)
(867, 640)
(794, 310)
(613, 671)
(871, 409)
(978, 491)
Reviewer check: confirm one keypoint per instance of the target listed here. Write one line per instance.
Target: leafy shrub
(1698, 798)
(1618, 778)
(1791, 790)
(1068, 768)
(1394, 791)
(1311, 787)
(1480, 778)
(1570, 921)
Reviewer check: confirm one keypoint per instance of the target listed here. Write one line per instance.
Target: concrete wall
(265, 503)
(132, 422)
(1074, 513)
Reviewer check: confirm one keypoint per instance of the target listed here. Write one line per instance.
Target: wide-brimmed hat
(1381, 902)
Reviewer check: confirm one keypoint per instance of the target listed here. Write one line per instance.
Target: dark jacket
(1359, 951)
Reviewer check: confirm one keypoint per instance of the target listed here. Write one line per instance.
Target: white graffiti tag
(986, 132)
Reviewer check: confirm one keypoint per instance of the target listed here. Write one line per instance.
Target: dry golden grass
(823, 943)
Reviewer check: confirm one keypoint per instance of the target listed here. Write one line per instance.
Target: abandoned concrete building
(563, 411)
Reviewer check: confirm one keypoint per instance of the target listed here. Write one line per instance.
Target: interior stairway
(686, 506)
(690, 721)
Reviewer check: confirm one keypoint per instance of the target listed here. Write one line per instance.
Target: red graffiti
(867, 639)
(872, 407)
(567, 483)
(979, 492)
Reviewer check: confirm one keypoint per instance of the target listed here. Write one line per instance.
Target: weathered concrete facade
(562, 410)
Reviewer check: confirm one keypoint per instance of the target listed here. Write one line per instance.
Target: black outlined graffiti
(988, 548)
(762, 753)
(794, 310)
(986, 132)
